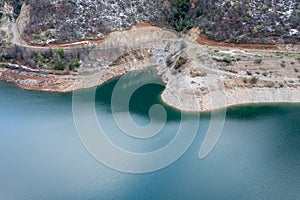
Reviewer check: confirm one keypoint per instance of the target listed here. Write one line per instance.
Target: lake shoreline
(234, 97)
(197, 78)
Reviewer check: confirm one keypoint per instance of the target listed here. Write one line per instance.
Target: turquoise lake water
(42, 157)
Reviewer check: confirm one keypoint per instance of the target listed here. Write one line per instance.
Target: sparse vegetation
(227, 60)
(249, 73)
(197, 73)
(59, 65)
(45, 59)
(74, 64)
(258, 61)
(254, 80)
(180, 62)
(69, 20)
(265, 73)
(270, 85)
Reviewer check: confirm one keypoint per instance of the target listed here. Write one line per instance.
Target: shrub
(61, 53)
(40, 60)
(258, 61)
(180, 62)
(180, 18)
(58, 65)
(254, 80)
(227, 60)
(74, 64)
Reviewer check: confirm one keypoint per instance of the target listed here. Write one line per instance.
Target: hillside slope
(236, 21)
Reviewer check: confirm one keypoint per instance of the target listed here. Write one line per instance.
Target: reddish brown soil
(94, 41)
(205, 41)
(202, 40)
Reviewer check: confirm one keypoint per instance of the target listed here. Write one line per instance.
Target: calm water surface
(41, 156)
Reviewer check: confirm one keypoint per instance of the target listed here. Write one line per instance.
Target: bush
(281, 85)
(74, 64)
(180, 62)
(254, 80)
(258, 61)
(40, 60)
(180, 18)
(227, 60)
(61, 53)
(58, 65)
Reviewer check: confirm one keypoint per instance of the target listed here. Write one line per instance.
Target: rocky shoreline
(174, 96)
(195, 79)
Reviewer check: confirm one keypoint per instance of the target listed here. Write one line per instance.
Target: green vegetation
(180, 18)
(58, 65)
(258, 61)
(61, 53)
(254, 80)
(227, 60)
(180, 62)
(283, 64)
(74, 64)
(41, 60)
(230, 70)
